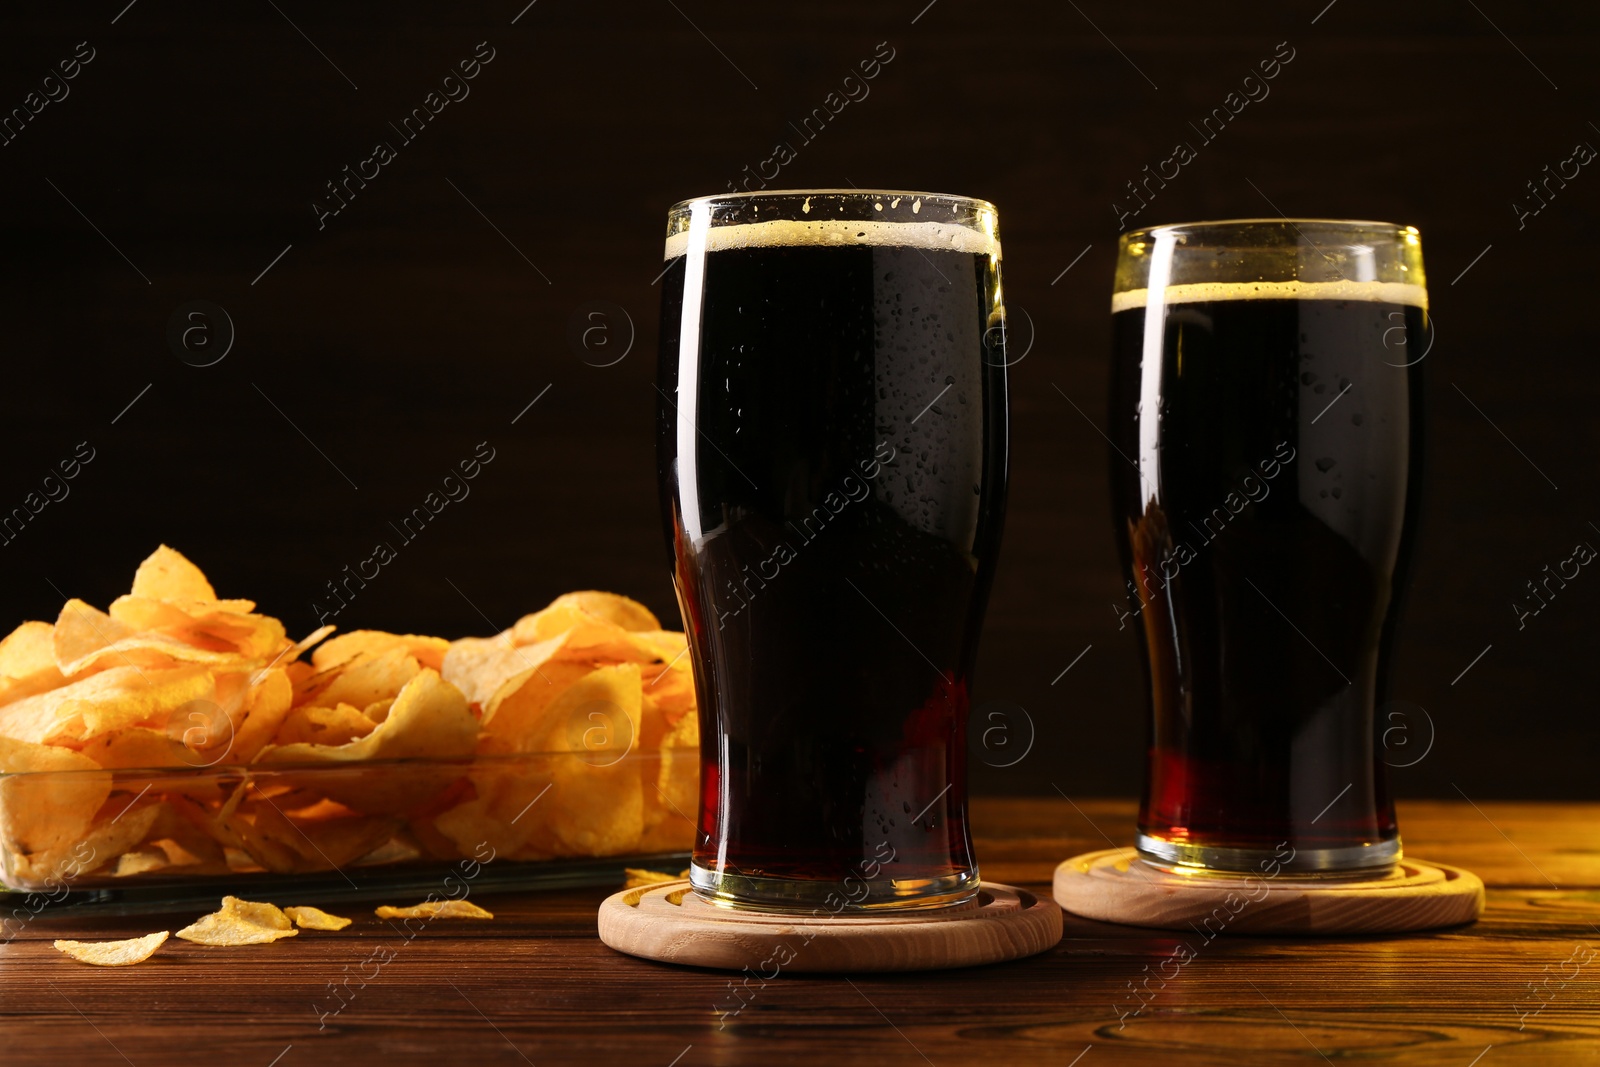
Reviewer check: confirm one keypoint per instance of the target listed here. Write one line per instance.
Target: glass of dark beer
(1267, 422)
(832, 459)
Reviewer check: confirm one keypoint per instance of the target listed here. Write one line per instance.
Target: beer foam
(833, 233)
(1404, 293)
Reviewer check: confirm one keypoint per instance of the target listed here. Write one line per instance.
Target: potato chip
(266, 705)
(307, 918)
(114, 953)
(139, 746)
(28, 650)
(566, 610)
(177, 831)
(48, 796)
(368, 678)
(494, 818)
(428, 651)
(595, 801)
(311, 844)
(239, 922)
(429, 717)
(140, 861)
(324, 726)
(636, 878)
(671, 799)
(166, 574)
(435, 909)
(480, 667)
(110, 700)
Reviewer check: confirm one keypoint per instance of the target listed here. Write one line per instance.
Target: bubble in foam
(825, 233)
(1405, 293)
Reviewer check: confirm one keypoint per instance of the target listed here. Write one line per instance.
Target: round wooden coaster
(668, 922)
(1116, 886)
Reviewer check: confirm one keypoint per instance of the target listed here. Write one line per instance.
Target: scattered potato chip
(239, 922)
(307, 918)
(435, 909)
(114, 953)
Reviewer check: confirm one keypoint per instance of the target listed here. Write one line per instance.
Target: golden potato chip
(429, 717)
(239, 922)
(113, 953)
(28, 662)
(323, 726)
(266, 705)
(256, 637)
(514, 714)
(177, 831)
(139, 746)
(81, 632)
(369, 678)
(140, 861)
(671, 789)
(166, 574)
(110, 700)
(480, 667)
(567, 610)
(493, 819)
(311, 844)
(49, 811)
(122, 822)
(263, 835)
(28, 650)
(307, 918)
(590, 799)
(533, 715)
(428, 651)
(435, 909)
(637, 878)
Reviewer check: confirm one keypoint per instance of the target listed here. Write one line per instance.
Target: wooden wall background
(378, 351)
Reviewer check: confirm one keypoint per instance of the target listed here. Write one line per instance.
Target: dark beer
(1270, 444)
(832, 456)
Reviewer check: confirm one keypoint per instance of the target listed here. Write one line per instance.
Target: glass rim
(716, 198)
(1215, 225)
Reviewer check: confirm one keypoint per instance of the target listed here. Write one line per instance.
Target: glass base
(1376, 857)
(853, 896)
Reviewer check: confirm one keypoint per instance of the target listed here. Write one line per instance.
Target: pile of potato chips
(182, 735)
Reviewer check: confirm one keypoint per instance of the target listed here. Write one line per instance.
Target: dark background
(380, 350)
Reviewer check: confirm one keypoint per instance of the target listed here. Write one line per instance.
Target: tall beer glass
(1266, 413)
(832, 459)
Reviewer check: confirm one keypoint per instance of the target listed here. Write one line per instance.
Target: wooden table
(536, 986)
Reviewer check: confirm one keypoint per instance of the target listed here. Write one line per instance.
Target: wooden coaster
(668, 922)
(1116, 886)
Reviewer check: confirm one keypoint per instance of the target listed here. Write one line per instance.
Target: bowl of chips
(177, 738)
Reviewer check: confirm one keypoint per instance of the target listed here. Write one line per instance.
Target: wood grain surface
(1521, 986)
